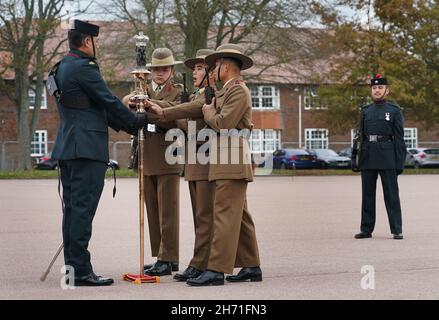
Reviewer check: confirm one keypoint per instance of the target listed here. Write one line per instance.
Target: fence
(9, 153)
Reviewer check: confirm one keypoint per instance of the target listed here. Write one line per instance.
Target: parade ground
(305, 227)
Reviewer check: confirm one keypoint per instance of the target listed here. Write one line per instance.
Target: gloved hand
(142, 119)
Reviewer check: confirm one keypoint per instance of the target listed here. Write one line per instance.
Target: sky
(95, 11)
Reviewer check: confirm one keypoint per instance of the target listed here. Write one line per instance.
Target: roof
(302, 61)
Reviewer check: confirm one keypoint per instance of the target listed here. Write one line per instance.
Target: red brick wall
(286, 119)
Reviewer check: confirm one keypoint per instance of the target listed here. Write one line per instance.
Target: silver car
(424, 157)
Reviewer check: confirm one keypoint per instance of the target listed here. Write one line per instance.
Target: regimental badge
(388, 116)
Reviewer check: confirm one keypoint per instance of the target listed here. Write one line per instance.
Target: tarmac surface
(304, 225)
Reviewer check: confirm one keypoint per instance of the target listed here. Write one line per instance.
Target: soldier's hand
(153, 107)
(207, 107)
(132, 103)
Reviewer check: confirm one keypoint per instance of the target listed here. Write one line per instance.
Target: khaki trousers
(162, 195)
(234, 241)
(202, 196)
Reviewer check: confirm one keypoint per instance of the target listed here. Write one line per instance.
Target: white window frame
(309, 93)
(309, 139)
(274, 96)
(31, 95)
(40, 144)
(412, 140)
(259, 138)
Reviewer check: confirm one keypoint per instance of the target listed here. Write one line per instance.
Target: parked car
(409, 160)
(293, 159)
(424, 157)
(328, 158)
(347, 152)
(47, 163)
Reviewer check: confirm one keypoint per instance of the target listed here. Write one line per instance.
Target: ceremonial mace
(140, 94)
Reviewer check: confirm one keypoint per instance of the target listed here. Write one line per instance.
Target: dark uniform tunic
(86, 108)
(383, 152)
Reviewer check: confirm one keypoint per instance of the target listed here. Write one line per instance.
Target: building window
(31, 94)
(265, 97)
(309, 97)
(411, 137)
(316, 138)
(39, 143)
(264, 140)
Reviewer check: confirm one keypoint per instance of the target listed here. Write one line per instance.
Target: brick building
(282, 116)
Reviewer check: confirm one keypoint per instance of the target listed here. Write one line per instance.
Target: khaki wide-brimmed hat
(162, 57)
(230, 50)
(199, 58)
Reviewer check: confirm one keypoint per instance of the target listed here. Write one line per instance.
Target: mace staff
(140, 94)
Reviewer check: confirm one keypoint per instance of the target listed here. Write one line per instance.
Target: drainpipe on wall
(300, 121)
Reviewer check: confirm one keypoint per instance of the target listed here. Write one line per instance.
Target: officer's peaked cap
(85, 28)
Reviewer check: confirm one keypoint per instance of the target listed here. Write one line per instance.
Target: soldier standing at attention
(383, 153)
(233, 241)
(86, 108)
(162, 180)
(197, 174)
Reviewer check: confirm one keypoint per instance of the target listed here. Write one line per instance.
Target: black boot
(207, 278)
(160, 268)
(363, 235)
(398, 236)
(245, 274)
(93, 280)
(189, 273)
(174, 266)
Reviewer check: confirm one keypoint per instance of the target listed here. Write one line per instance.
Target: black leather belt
(378, 138)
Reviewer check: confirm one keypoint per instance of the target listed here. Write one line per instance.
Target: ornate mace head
(140, 72)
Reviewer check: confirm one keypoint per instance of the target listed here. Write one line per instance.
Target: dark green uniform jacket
(86, 107)
(383, 119)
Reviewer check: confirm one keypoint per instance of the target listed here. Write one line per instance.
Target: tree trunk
(23, 132)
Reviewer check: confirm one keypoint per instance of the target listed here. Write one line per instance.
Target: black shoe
(189, 273)
(252, 274)
(174, 266)
(398, 236)
(207, 278)
(160, 268)
(363, 235)
(93, 280)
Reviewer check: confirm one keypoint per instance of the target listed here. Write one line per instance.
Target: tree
(398, 38)
(266, 28)
(25, 27)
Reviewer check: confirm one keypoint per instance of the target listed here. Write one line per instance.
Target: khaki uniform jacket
(183, 113)
(233, 111)
(154, 147)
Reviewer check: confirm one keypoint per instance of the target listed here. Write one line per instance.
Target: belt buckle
(373, 138)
